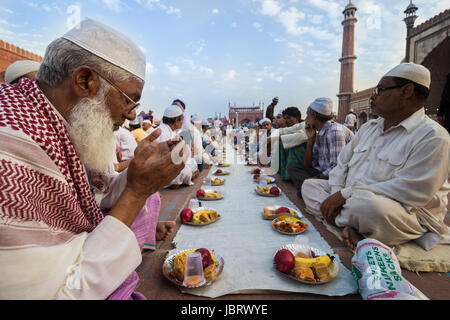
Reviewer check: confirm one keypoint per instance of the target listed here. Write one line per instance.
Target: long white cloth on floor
(248, 243)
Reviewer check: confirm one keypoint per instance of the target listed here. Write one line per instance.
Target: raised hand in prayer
(332, 206)
(151, 169)
(310, 131)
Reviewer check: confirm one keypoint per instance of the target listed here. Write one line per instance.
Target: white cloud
(233, 25)
(172, 10)
(289, 20)
(7, 10)
(208, 71)
(215, 11)
(257, 26)
(113, 5)
(149, 68)
(270, 7)
(230, 75)
(316, 18)
(173, 69)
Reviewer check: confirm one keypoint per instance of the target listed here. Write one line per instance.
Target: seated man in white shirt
(390, 182)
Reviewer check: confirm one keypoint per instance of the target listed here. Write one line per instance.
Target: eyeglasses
(380, 89)
(135, 104)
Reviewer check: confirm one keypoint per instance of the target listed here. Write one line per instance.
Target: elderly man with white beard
(55, 241)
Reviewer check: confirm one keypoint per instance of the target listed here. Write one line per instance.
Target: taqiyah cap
(19, 69)
(261, 122)
(411, 71)
(205, 123)
(323, 106)
(172, 112)
(110, 45)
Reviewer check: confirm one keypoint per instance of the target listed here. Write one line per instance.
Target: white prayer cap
(20, 68)
(147, 121)
(110, 45)
(217, 123)
(323, 106)
(261, 122)
(411, 71)
(205, 123)
(172, 112)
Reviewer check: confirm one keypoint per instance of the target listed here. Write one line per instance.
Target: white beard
(91, 132)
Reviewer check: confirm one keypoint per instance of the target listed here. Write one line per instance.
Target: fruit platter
(217, 182)
(208, 195)
(272, 212)
(257, 178)
(305, 264)
(268, 191)
(221, 164)
(174, 267)
(199, 217)
(289, 225)
(220, 172)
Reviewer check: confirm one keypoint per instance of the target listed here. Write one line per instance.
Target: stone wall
(10, 53)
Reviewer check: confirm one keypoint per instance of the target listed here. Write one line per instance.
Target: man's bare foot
(351, 237)
(164, 229)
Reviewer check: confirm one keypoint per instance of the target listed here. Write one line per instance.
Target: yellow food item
(179, 265)
(263, 190)
(217, 181)
(303, 272)
(321, 270)
(213, 194)
(312, 261)
(203, 216)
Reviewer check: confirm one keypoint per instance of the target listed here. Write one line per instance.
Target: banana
(312, 261)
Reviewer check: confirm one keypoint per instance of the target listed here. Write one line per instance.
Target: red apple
(206, 256)
(284, 260)
(275, 191)
(257, 171)
(201, 193)
(283, 210)
(219, 171)
(256, 177)
(186, 215)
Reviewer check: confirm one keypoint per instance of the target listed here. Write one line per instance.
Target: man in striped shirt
(326, 139)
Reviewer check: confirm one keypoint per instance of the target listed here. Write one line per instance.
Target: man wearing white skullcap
(326, 139)
(391, 180)
(170, 127)
(350, 120)
(21, 69)
(75, 218)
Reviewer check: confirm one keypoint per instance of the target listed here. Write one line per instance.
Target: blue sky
(210, 52)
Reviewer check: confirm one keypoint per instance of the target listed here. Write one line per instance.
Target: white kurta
(185, 176)
(386, 175)
(126, 142)
(293, 136)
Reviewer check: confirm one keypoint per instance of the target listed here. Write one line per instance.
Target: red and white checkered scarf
(30, 195)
